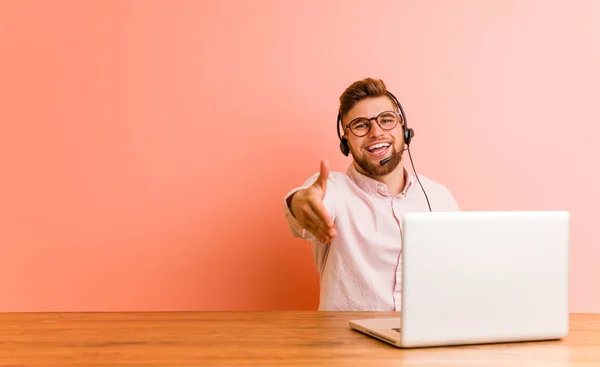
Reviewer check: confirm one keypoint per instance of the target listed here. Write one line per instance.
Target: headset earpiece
(344, 147)
(408, 134)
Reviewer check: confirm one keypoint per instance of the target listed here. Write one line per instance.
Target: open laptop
(480, 277)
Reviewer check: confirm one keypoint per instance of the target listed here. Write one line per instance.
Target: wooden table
(259, 339)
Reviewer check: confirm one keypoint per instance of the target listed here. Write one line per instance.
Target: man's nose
(375, 130)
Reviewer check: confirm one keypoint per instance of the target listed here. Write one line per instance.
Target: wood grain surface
(282, 338)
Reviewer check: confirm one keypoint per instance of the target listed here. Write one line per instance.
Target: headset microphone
(384, 161)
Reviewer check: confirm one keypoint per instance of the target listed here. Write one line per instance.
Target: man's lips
(378, 149)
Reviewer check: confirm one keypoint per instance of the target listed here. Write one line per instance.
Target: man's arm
(310, 208)
(450, 204)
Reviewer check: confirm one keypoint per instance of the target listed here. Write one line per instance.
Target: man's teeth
(379, 145)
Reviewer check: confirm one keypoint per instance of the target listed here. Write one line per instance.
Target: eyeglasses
(386, 120)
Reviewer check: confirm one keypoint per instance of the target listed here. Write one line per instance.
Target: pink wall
(111, 110)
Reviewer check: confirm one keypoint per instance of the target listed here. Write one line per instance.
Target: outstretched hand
(307, 206)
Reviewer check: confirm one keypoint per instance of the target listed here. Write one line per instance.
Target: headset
(407, 133)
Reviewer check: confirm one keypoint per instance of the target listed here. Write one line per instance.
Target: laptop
(479, 278)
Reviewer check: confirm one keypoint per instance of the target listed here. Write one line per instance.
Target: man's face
(378, 143)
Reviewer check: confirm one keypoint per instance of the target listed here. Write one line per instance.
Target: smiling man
(353, 220)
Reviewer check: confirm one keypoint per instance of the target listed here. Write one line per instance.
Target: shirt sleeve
(451, 204)
(329, 202)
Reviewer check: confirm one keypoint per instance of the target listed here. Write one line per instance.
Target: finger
(317, 233)
(323, 220)
(321, 181)
(316, 225)
(321, 212)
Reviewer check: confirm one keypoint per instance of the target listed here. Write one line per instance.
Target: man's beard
(376, 169)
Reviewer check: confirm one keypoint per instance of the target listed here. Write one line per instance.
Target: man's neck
(395, 180)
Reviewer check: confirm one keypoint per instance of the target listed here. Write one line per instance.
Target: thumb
(321, 181)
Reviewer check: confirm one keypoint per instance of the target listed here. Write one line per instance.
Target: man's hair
(360, 90)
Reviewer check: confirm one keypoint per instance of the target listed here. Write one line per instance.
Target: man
(354, 220)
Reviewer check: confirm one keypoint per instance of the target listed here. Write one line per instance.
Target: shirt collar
(372, 186)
